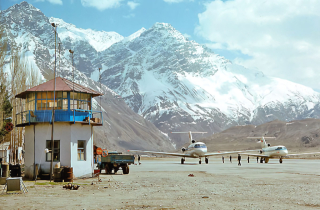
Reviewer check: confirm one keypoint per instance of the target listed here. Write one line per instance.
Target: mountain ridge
(174, 82)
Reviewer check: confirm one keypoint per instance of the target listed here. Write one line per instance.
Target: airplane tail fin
(190, 135)
(262, 141)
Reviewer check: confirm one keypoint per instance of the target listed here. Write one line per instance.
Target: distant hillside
(298, 135)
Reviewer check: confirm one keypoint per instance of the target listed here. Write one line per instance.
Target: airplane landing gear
(200, 161)
(182, 160)
(280, 160)
(261, 160)
(206, 160)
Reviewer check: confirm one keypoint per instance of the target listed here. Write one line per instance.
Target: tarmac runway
(252, 169)
(163, 183)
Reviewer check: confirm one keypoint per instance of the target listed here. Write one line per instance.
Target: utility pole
(100, 87)
(54, 97)
(59, 57)
(71, 51)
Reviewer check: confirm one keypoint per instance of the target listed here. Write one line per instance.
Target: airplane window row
(200, 146)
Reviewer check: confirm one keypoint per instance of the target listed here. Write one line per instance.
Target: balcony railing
(77, 115)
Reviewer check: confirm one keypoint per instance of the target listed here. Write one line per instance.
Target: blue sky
(279, 38)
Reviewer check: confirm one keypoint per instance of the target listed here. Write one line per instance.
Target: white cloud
(282, 37)
(101, 4)
(173, 1)
(132, 4)
(55, 2)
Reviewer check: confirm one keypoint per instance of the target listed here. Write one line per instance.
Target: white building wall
(82, 132)
(29, 151)
(68, 134)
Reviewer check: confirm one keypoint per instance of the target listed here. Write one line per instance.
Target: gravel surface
(163, 183)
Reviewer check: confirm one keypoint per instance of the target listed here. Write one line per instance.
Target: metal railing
(76, 115)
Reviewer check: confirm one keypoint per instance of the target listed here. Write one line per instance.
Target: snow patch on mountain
(99, 40)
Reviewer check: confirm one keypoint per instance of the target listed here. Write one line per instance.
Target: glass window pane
(43, 95)
(73, 95)
(65, 94)
(89, 106)
(50, 95)
(56, 144)
(83, 105)
(48, 156)
(59, 104)
(59, 94)
(32, 106)
(65, 104)
(80, 144)
(43, 105)
(38, 105)
(82, 155)
(39, 95)
(81, 150)
(84, 96)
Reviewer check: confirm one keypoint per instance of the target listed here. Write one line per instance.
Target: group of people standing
(239, 159)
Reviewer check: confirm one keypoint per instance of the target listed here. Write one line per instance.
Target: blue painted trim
(101, 117)
(35, 101)
(68, 96)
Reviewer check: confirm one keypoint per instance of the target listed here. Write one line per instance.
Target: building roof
(62, 84)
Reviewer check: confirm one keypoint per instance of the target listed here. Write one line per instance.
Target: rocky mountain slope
(176, 83)
(297, 136)
(180, 85)
(29, 31)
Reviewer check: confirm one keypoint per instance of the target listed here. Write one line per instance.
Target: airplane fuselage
(196, 150)
(275, 151)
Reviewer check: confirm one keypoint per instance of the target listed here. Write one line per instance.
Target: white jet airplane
(194, 150)
(268, 152)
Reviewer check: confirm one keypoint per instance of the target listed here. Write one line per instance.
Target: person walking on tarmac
(257, 159)
(230, 159)
(222, 159)
(139, 159)
(248, 159)
(239, 160)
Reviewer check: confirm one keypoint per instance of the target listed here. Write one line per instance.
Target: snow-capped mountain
(86, 44)
(30, 32)
(180, 85)
(176, 83)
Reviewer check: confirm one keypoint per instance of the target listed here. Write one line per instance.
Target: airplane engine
(183, 149)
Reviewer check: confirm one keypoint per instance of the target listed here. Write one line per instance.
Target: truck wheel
(125, 170)
(107, 169)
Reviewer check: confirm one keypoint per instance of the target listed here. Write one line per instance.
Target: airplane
(194, 150)
(267, 152)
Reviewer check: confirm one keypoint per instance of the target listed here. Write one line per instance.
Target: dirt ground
(163, 183)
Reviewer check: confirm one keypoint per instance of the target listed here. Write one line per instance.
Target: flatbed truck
(115, 161)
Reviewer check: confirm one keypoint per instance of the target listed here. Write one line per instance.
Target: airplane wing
(223, 153)
(311, 153)
(162, 153)
(254, 155)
